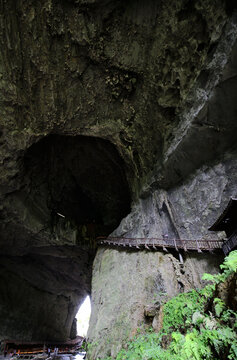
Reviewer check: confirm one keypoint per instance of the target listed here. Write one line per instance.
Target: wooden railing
(155, 243)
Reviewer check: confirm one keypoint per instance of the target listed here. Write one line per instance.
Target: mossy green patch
(192, 330)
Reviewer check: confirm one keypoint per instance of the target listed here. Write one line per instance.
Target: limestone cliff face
(107, 107)
(182, 200)
(124, 283)
(184, 212)
(187, 210)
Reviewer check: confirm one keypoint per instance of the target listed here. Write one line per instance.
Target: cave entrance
(83, 317)
(78, 182)
(73, 189)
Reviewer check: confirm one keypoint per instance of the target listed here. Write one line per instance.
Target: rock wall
(41, 291)
(124, 283)
(188, 210)
(184, 212)
(183, 198)
(28, 311)
(120, 71)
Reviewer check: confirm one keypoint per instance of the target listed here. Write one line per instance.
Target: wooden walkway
(164, 244)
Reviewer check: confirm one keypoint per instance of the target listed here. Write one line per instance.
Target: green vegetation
(197, 325)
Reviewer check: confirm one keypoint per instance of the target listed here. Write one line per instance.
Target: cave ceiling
(117, 70)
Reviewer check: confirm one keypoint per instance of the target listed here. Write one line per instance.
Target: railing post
(198, 249)
(209, 247)
(146, 245)
(175, 245)
(185, 248)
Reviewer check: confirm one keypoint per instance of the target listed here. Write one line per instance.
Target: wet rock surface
(227, 292)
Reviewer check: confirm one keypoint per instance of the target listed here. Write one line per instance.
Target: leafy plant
(209, 337)
(179, 310)
(230, 263)
(219, 306)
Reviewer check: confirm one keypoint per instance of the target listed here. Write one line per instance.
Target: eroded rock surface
(104, 103)
(124, 283)
(183, 212)
(187, 210)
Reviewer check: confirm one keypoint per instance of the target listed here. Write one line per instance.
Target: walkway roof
(228, 215)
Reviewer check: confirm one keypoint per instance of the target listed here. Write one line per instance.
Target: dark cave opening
(80, 180)
(68, 185)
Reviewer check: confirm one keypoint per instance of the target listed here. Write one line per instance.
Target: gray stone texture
(125, 283)
(153, 83)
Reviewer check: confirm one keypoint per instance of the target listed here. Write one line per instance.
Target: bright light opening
(83, 317)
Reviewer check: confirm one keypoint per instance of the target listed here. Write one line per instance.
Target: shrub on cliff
(197, 325)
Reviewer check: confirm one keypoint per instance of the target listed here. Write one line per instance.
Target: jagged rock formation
(184, 212)
(107, 105)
